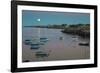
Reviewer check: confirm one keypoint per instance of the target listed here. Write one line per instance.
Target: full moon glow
(38, 19)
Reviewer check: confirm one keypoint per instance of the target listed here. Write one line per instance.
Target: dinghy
(43, 39)
(27, 42)
(26, 61)
(84, 44)
(41, 54)
(35, 46)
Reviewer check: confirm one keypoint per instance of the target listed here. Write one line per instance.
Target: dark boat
(26, 61)
(84, 44)
(42, 38)
(27, 42)
(61, 38)
(35, 46)
(41, 54)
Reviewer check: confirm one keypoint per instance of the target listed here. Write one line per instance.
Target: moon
(38, 19)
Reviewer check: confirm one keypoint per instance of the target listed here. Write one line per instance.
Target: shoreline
(82, 33)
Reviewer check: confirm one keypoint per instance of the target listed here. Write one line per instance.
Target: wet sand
(65, 49)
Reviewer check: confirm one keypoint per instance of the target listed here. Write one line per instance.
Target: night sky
(32, 18)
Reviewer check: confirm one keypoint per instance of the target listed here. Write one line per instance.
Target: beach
(60, 46)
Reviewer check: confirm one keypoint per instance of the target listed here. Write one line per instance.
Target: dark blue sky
(30, 18)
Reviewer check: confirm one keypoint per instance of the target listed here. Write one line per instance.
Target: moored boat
(84, 44)
(43, 39)
(41, 54)
(35, 46)
(27, 42)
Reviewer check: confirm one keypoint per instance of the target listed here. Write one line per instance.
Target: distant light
(38, 19)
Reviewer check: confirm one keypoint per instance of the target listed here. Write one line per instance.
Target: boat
(26, 61)
(75, 39)
(41, 43)
(41, 54)
(35, 46)
(27, 42)
(43, 39)
(61, 38)
(84, 44)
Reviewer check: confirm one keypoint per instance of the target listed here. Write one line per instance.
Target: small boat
(61, 38)
(84, 44)
(74, 38)
(41, 54)
(41, 43)
(27, 42)
(26, 61)
(35, 46)
(43, 39)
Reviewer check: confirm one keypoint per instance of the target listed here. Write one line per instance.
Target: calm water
(56, 48)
